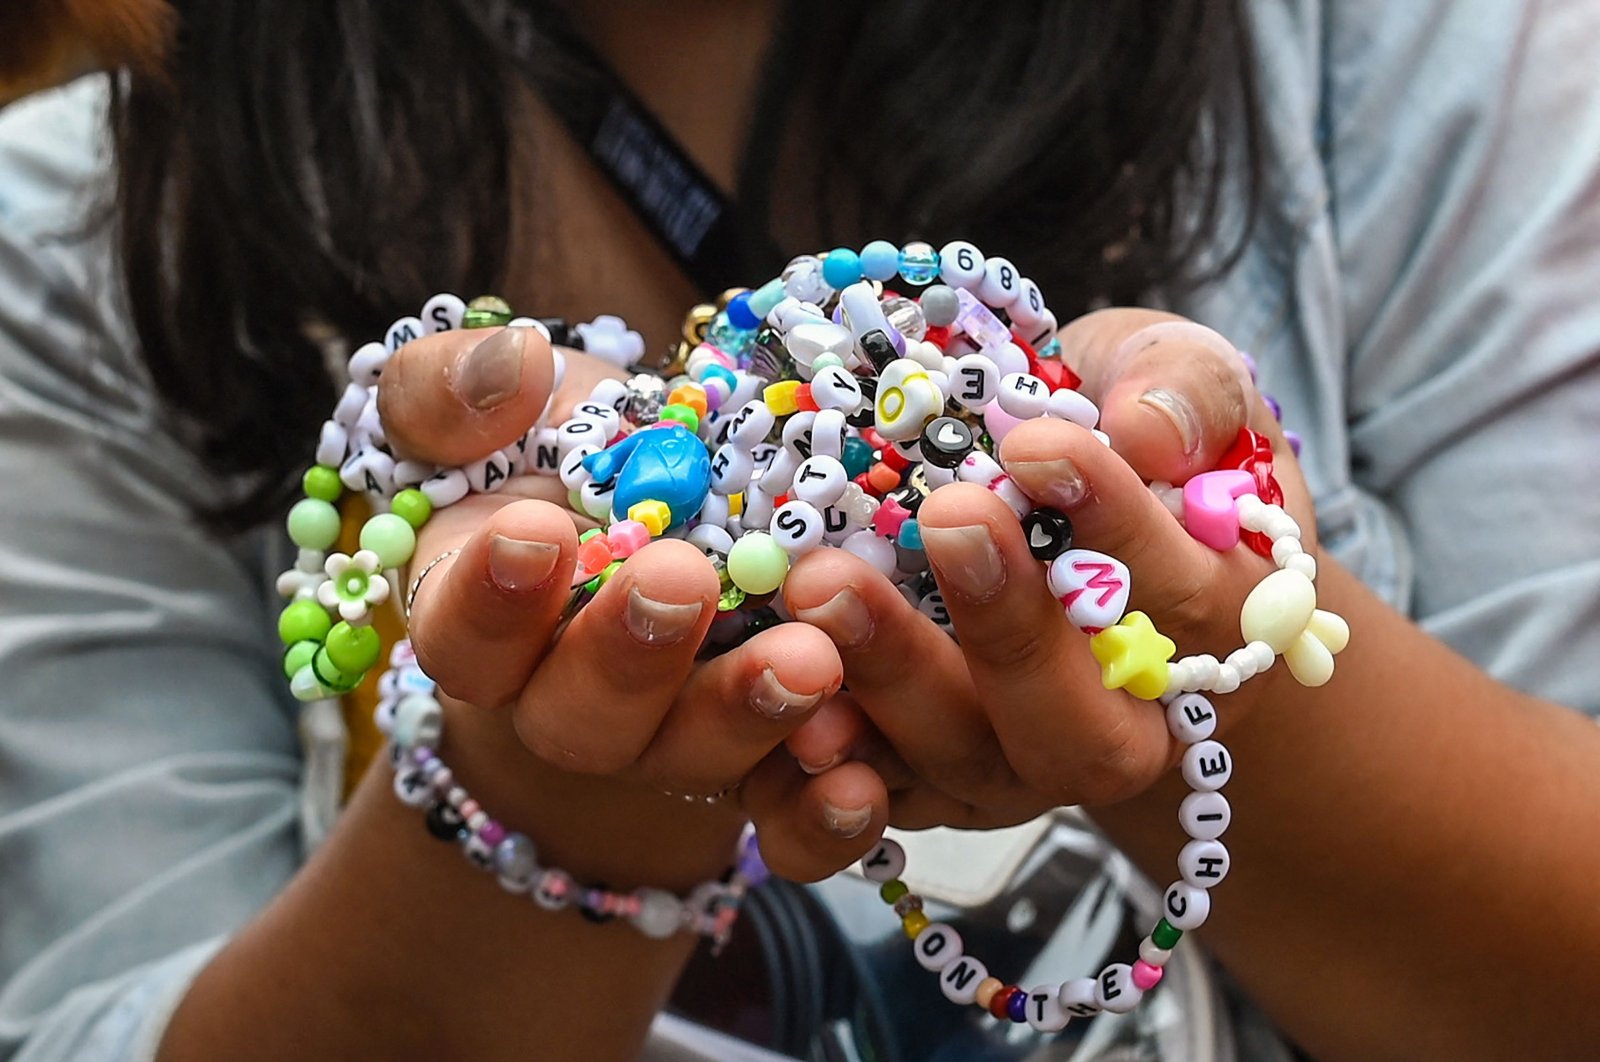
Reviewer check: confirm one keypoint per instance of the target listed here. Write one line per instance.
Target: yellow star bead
(1133, 656)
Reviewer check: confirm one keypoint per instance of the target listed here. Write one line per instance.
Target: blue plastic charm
(665, 463)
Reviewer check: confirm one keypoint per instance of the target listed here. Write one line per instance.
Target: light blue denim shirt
(1423, 296)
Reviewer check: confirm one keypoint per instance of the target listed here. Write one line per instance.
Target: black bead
(1049, 533)
(908, 496)
(599, 918)
(946, 441)
(562, 334)
(878, 348)
(444, 821)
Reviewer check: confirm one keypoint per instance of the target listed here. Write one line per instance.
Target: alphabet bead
(1093, 587)
(1044, 1011)
(975, 382)
(1114, 990)
(1023, 395)
(1191, 718)
(960, 980)
(1203, 864)
(885, 862)
(820, 480)
(1205, 816)
(1078, 997)
(936, 947)
(1207, 766)
(797, 527)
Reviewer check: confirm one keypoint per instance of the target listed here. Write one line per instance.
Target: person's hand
(1014, 719)
(612, 705)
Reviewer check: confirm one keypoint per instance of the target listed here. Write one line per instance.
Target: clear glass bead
(906, 316)
(919, 263)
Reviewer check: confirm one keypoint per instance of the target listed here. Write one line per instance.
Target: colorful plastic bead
(352, 649)
(298, 656)
(653, 514)
(892, 890)
(1133, 656)
(391, 537)
(919, 263)
(1048, 533)
(412, 506)
(303, 621)
(914, 923)
(313, 524)
(841, 268)
(757, 564)
(1166, 935)
(322, 483)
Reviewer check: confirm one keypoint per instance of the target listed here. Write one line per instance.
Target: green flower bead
(893, 890)
(1165, 934)
(757, 564)
(683, 414)
(390, 537)
(313, 524)
(298, 656)
(486, 311)
(412, 506)
(322, 483)
(352, 650)
(303, 621)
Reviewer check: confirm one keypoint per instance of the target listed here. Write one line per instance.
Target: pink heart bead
(1210, 506)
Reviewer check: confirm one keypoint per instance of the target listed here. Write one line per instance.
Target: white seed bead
(960, 980)
(1282, 527)
(1169, 496)
(1304, 563)
(1205, 668)
(1228, 679)
(1284, 548)
(1044, 1011)
(1186, 906)
(1077, 997)
(1243, 661)
(1207, 766)
(1191, 718)
(1203, 864)
(936, 947)
(1263, 654)
(1114, 989)
(1205, 816)
(885, 862)
(1252, 512)
(476, 820)
(1153, 955)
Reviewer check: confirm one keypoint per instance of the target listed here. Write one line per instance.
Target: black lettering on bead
(834, 520)
(719, 464)
(974, 375)
(546, 455)
(789, 522)
(1177, 904)
(879, 857)
(931, 944)
(1082, 1010)
(811, 472)
(960, 974)
(441, 318)
(1196, 713)
(1108, 984)
(1210, 816)
(1218, 764)
(1210, 867)
(372, 483)
(1040, 1000)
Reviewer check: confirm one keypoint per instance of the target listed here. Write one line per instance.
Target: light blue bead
(768, 295)
(841, 268)
(880, 260)
(1051, 349)
(910, 534)
(919, 263)
(734, 342)
(717, 372)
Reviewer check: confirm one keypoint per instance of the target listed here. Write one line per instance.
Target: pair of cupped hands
(588, 724)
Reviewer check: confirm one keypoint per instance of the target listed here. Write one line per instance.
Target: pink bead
(1145, 976)
(890, 515)
(492, 833)
(627, 537)
(717, 356)
(1210, 506)
(997, 422)
(468, 808)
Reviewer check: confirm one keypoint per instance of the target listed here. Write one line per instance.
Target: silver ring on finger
(416, 584)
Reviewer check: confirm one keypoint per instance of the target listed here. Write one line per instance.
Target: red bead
(890, 515)
(938, 335)
(1252, 452)
(894, 459)
(864, 481)
(594, 555)
(871, 437)
(804, 401)
(1055, 372)
(1001, 1003)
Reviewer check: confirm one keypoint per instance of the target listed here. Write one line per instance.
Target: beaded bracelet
(410, 717)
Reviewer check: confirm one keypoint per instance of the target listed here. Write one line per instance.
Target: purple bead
(1249, 363)
(421, 754)
(753, 869)
(1294, 441)
(1017, 1007)
(492, 833)
(1277, 410)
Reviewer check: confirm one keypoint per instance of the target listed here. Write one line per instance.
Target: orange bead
(882, 478)
(595, 554)
(691, 395)
(803, 400)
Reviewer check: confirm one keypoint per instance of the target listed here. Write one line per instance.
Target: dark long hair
(312, 169)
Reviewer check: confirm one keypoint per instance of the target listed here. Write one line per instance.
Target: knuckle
(1111, 769)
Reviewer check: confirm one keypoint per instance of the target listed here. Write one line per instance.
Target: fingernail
(518, 564)
(967, 559)
(1056, 482)
(655, 622)
(491, 372)
(1180, 411)
(775, 700)
(826, 765)
(845, 822)
(843, 617)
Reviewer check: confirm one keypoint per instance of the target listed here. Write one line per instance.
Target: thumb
(450, 398)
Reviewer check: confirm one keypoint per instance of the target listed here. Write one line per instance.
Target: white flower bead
(443, 313)
(1207, 766)
(608, 338)
(1114, 990)
(445, 487)
(960, 980)
(885, 862)
(1205, 816)
(1077, 997)
(1185, 906)
(936, 947)
(1191, 718)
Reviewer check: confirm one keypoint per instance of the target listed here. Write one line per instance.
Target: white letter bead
(974, 382)
(960, 265)
(936, 947)
(872, 548)
(751, 424)
(445, 487)
(443, 313)
(1191, 718)
(542, 454)
(402, 332)
(355, 397)
(581, 431)
(1067, 404)
(490, 474)
(820, 480)
(368, 470)
(797, 433)
(595, 499)
(332, 444)
(411, 786)
(828, 434)
(960, 980)
(836, 388)
(885, 862)
(1077, 997)
(758, 506)
(1091, 586)
(1203, 864)
(1023, 395)
(1186, 906)
(1001, 284)
(933, 607)
(1029, 308)
(731, 469)
(573, 474)
(1114, 989)
(797, 527)
(609, 419)
(1207, 766)
(710, 535)
(1043, 1009)
(978, 467)
(1205, 816)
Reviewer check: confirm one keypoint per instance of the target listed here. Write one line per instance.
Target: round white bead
(1228, 679)
(610, 392)
(960, 980)
(445, 487)
(490, 474)
(573, 474)
(411, 786)
(1114, 990)
(932, 605)
(960, 264)
(712, 537)
(1283, 549)
(581, 431)
(1207, 766)
(1044, 1011)
(368, 470)
(1077, 997)
(1023, 395)
(797, 433)
(1067, 404)
(1304, 563)
(332, 444)
(443, 313)
(355, 397)
(1008, 358)
(975, 382)
(936, 947)
(1191, 718)
(820, 480)
(1153, 955)
(837, 388)
(731, 469)
(778, 476)
(1262, 655)
(758, 506)
(595, 499)
(1252, 512)
(1205, 816)
(1029, 308)
(751, 424)
(601, 413)
(1186, 906)
(1203, 864)
(885, 862)
(797, 527)
(828, 434)
(872, 548)
(1001, 285)
(402, 332)
(660, 913)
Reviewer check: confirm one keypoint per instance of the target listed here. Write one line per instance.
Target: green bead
(1165, 934)
(486, 311)
(731, 598)
(893, 890)
(757, 564)
(331, 676)
(607, 572)
(322, 483)
(412, 506)
(857, 456)
(313, 524)
(390, 537)
(303, 621)
(298, 656)
(352, 649)
(587, 535)
(575, 501)
(683, 414)
(826, 360)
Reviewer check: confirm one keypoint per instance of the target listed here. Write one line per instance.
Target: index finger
(452, 397)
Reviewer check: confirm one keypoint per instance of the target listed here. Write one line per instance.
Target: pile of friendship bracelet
(817, 410)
